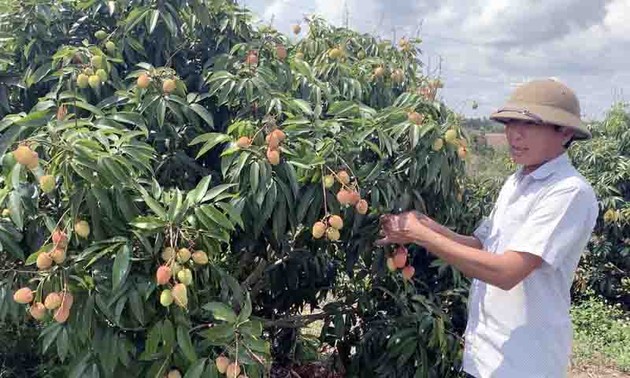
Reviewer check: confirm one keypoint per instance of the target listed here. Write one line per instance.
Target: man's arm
(469, 241)
(504, 271)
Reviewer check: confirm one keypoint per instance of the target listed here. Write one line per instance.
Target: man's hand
(502, 270)
(405, 228)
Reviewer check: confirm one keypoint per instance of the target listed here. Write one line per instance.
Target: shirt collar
(548, 168)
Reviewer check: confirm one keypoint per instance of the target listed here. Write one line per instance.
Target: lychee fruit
(52, 301)
(168, 253)
(273, 156)
(200, 257)
(185, 276)
(47, 183)
(318, 230)
(94, 81)
(83, 80)
(44, 261)
(332, 234)
(391, 265)
(222, 363)
(408, 272)
(110, 47)
(450, 135)
(329, 181)
(38, 311)
(362, 207)
(24, 155)
(233, 370)
(163, 275)
(415, 117)
(168, 86)
(59, 238)
(58, 255)
(23, 295)
(272, 141)
(343, 177)
(296, 29)
(335, 221)
(400, 257)
(183, 255)
(180, 295)
(143, 81)
(166, 298)
(243, 142)
(82, 228)
(279, 134)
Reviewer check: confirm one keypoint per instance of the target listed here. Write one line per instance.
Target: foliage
(137, 111)
(601, 332)
(605, 162)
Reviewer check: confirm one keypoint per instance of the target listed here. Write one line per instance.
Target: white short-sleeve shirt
(527, 331)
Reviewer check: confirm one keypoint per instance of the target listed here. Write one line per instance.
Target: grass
(601, 335)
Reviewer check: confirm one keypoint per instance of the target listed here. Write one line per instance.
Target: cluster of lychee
(58, 303)
(450, 136)
(273, 141)
(348, 195)
(229, 368)
(398, 260)
(168, 84)
(94, 74)
(25, 156)
(57, 254)
(176, 273)
(397, 75)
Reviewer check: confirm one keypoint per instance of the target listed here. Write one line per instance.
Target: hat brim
(537, 113)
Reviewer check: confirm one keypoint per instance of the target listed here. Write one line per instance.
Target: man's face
(532, 144)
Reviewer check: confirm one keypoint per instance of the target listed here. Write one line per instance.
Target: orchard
(184, 195)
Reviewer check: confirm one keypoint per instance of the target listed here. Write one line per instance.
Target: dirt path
(597, 372)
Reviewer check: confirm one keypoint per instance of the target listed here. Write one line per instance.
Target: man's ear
(567, 135)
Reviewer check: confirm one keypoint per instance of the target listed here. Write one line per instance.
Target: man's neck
(531, 168)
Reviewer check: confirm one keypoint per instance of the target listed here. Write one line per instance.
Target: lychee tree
(184, 185)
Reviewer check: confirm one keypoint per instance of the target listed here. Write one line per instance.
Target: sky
(482, 49)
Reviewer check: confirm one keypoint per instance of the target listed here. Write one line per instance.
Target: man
(523, 256)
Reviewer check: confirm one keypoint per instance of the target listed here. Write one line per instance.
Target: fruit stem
(324, 192)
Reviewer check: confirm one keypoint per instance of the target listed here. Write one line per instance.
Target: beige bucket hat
(544, 101)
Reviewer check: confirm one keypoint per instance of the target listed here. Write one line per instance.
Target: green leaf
(246, 311)
(216, 216)
(221, 311)
(219, 333)
(148, 223)
(196, 195)
(17, 210)
(214, 192)
(185, 344)
(155, 16)
(50, 335)
(9, 244)
(168, 334)
(304, 106)
(62, 344)
(121, 266)
(203, 113)
(153, 204)
(254, 176)
(211, 140)
(196, 369)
